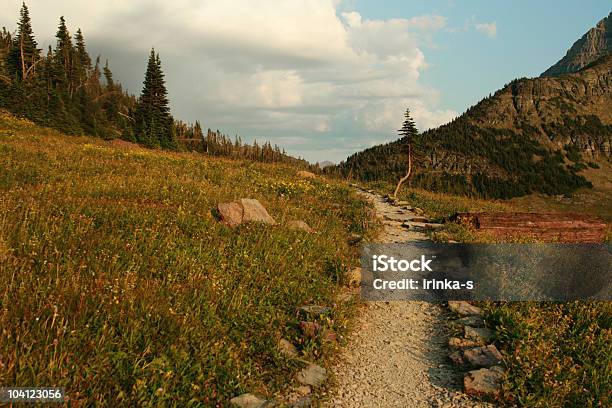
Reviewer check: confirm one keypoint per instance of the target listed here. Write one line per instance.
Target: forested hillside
(533, 135)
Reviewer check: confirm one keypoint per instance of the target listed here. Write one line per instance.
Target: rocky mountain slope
(574, 109)
(533, 135)
(596, 43)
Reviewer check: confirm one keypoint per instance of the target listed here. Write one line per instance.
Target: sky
(321, 78)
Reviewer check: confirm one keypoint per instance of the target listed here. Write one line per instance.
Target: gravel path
(397, 356)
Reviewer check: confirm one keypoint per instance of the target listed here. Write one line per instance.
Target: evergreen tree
(408, 133)
(82, 59)
(154, 124)
(24, 52)
(63, 57)
(108, 76)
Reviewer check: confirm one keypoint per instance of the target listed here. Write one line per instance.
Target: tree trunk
(408, 172)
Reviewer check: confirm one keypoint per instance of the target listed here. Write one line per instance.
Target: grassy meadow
(556, 354)
(118, 283)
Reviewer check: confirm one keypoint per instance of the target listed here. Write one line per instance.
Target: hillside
(594, 44)
(533, 135)
(120, 284)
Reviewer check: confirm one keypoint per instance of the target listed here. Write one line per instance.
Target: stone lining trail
(398, 355)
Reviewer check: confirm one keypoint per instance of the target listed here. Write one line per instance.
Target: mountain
(325, 163)
(596, 43)
(533, 135)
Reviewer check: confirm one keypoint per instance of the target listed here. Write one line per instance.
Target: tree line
(65, 89)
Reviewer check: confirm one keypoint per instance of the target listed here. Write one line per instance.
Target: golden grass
(119, 284)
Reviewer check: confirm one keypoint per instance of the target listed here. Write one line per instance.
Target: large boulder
(231, 213)
(255, 212)
(244, 210)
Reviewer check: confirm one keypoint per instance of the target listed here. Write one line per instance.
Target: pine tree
(82, 59)
(24, 52)
(154, 124)
(108, 76)
(63, 57)
(408, 132)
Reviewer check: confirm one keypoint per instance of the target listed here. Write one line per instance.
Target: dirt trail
(397, 356)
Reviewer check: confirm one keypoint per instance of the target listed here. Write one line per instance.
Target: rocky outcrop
(556, 111)
(596, 43)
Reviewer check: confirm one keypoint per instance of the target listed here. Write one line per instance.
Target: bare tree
(408, 132)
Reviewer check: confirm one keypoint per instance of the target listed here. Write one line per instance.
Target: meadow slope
(119, 283)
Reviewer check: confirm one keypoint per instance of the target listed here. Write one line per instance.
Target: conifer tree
(408, 132)
(24, 52)
(108, 76)
(63, 56)
(154, 124)
(82, 59)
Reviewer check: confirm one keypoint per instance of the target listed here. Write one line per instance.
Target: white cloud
(431, 22)
(489, 29)
(263, 68)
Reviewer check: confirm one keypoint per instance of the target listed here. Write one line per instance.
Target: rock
(457, 343)
(245, 210)
(353, 277)
(594, 44)
(310, 329)
(314, 310)
(306, 174)
(302, 402)
(248, 401)
(463, 308)
(253, 211)
(330, 337)
(303, 389)
(483, 356)
(402, 203)
(484, 382)
(287, 348)
(474, 321)
(312, 375)
(418, 211)
(300, 225)
(231, 213)
(479, 334)
(419, 219)
(354, 238)
(456, 358)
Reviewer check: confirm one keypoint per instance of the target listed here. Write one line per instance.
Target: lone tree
(408, 132)
(154, 124)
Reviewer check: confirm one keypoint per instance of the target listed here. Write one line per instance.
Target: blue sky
(466, 66)
(320, 78)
